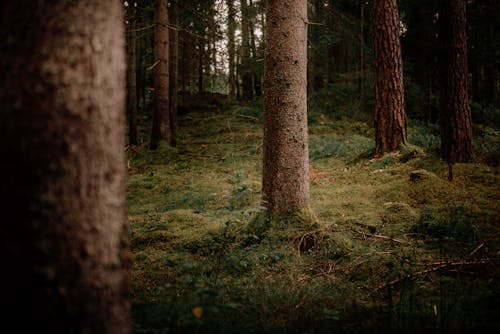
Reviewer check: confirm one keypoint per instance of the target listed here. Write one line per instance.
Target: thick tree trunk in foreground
(390, 117)
(286, 157)
(174, 66)
(131, 75)
(456, 131)
(62, 137)
(161, 118)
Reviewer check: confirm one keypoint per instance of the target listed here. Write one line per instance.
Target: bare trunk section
(257, 86)
(362, 53)
(246, 71)
(201, 57)
(62, 137)
(286, 157)
(231, 28)
(456, 131)
(131, 74)
(390, 117)
(161, 119)
(174, 66)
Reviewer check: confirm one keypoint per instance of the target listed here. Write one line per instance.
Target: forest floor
(398, 248)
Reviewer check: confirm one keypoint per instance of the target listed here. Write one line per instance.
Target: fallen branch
(203, 155)
(383, 237)
(438, 266)
(248, 117)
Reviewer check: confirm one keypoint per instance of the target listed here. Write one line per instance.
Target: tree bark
(161, 118)
(62, 136)
(231, 28)
(456, 130)
(390, 117)
(131, 74)
(286, 157)
(174, 66)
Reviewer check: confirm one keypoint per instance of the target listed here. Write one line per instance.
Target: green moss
(200, 237)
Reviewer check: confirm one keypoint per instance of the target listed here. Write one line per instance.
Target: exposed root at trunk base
(300, 225)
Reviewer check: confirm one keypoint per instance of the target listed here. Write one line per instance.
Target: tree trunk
(362, 53)
(286, 157)
(246, 71)
(456, 131)
(390, 117)
(317, 31)
(185, 64)
(231, 28)
(174, 65)
(256, 77)
(201, 57)
(161, 119)
(131, 75)
(62, 136)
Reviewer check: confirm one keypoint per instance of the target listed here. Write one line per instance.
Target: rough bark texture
(456, 131)
(131, 75)
(161, 117)
(286, 157)
(174, 65)
(62, 136)
(390, 117)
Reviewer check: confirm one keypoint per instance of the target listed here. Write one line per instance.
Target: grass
(397, 247)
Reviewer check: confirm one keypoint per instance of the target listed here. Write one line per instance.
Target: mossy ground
(396, 247)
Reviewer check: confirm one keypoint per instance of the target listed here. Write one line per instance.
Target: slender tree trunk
(131, 75)
(186, 69)
(456, 130)
(174, 65)
(317, 68)
(161, 119)
(246, 75)
(362, 53)
(201, 58)
(286, 157)
(256, 77)
(390, 117)
(231, 28)
(238, 73)
(62, 137)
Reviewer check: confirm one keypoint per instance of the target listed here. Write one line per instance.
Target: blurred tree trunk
(201, 58)
(231, 28)
(286, 158)
(246, 71)
(131, 74)
(62, 135)
(456, 130)
(161, 118)
(256, 77)
(361, 86)
(390, 117)
(174, 66)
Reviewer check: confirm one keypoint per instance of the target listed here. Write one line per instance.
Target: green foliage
(486, 115)
(451, 226)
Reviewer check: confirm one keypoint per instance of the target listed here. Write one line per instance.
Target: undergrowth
(397, 247)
